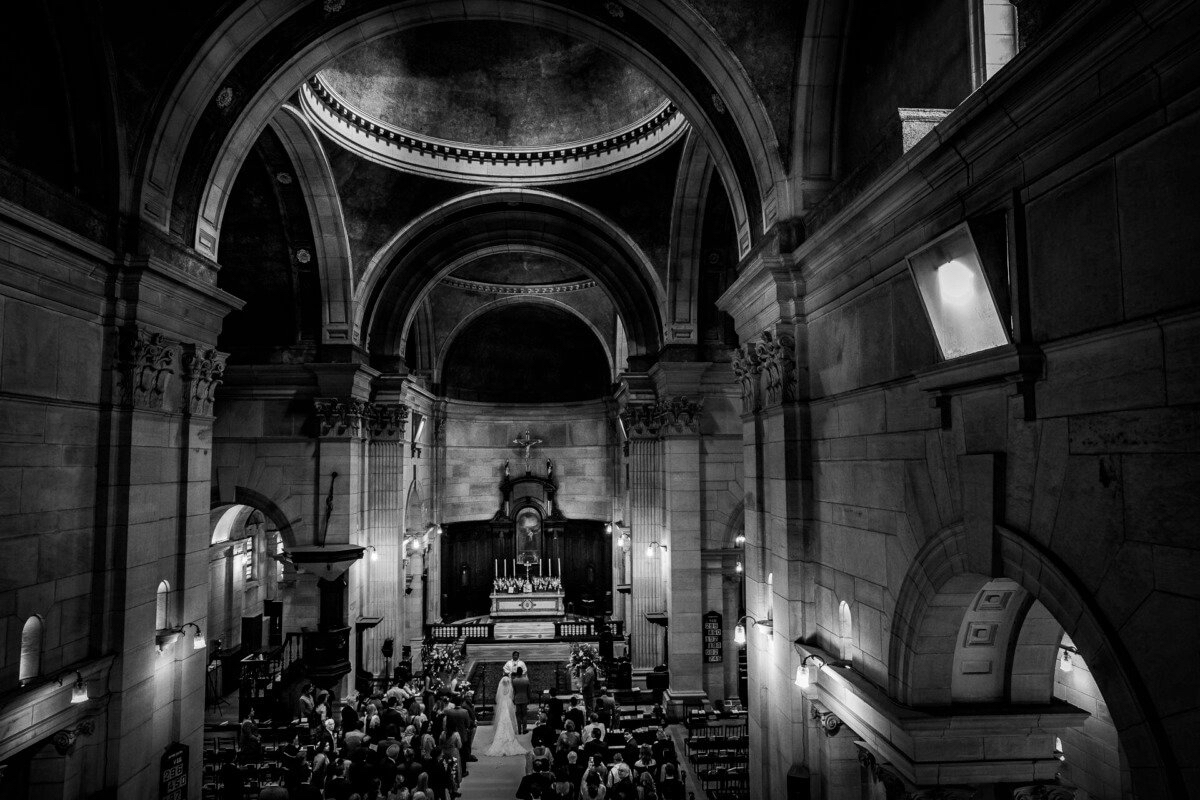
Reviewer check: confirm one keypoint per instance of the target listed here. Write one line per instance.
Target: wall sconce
(739, 540)
(650, 548)
(739, 630)
(1064, 659)
(739, 569)
(78, 690)
(806, 673)
(374, 552)
(198, 641)
(168, 637)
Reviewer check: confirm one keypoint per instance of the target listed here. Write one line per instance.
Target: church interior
(832, 367)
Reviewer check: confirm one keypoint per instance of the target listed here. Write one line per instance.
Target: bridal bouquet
(582, 657)
(441, 658)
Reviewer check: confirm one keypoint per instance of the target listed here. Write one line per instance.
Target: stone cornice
(513, 288)
(404, 149)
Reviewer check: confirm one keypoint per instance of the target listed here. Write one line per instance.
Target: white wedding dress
(505, 742)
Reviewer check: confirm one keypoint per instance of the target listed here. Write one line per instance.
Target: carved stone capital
(64, 740)
(642, 420)
(679, 415)
(203, 369)
(746, 369)
(146, 360)
(385, 420)
(776, 353)
(339, 417)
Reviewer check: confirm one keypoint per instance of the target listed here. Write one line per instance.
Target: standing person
(521, 691)
(511, 665)
(468, 704)
(543, 733)
(457, 721)
(587, 684)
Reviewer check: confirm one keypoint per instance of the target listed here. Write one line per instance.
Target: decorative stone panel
(146, 360)
(203, 369)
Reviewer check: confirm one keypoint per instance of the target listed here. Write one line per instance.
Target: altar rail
(470, 631)
(483, 632)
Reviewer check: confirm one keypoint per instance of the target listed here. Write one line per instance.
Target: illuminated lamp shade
(198, 641)
(649, 550)
(1064, 663)
(623, 540)
(739, 634)
(739, 568)
(608, 528)
(956, 282)
(802, 677)
(740, 539)
(79, 691)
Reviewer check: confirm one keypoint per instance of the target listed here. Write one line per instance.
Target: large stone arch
(259, 502)
(330, 243)
(265, 49)
(683, 259)
(404, 270)
(943, 561)
(516, 300)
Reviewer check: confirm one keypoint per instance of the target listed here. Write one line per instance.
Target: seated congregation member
(576, 713)
(543, 733)
(593, 724)
(536, 785)
(670, 787)
(561, 787)
(595, 746)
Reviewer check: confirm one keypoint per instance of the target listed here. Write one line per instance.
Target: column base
(678, 701)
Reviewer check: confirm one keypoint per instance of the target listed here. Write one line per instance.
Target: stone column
(342, 417)
(383, 571)
(642, 422)
(680, 431)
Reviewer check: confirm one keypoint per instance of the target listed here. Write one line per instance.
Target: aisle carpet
(492, 778)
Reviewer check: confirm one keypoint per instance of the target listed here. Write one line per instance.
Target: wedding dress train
(505, 741)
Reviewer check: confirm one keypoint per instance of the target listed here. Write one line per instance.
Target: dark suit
(575, 714)
(543, 735)
(520, 698)
(458, 720)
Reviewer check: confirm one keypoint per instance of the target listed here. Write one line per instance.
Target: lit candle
(560, 567)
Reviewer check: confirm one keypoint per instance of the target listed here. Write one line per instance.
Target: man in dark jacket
(520, 698)
(544, 734)
(457, 720)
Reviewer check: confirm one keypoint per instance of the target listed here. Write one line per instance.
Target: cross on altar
(526, 442)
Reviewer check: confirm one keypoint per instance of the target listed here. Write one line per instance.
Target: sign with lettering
(173, 773)
(714, 638)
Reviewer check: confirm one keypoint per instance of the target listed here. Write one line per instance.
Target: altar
(509, 605)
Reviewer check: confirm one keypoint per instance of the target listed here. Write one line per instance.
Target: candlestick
(560, 568)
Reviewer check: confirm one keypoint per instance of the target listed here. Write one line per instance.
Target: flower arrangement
(437, 659)
(520, 585)
(583, 656)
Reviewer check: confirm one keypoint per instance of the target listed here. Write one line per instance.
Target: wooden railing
(587, 629)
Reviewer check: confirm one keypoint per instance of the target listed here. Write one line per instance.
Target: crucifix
(526, 442)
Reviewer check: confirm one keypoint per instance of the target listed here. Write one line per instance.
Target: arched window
(160, 606)
(31, 649)
(846, 631)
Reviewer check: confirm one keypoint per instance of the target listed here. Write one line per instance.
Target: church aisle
(492, 778)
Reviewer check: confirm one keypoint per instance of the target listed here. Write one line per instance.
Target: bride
(505, 742)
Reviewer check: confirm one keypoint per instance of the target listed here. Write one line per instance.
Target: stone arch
(331, 245)
(516, 300)
(258, 502)
(403, 272)
(942, 565)
(818, 76)
(687, 222)
(275, 45)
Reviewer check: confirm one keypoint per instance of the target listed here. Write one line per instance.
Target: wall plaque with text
(173, 773)
(714, 638)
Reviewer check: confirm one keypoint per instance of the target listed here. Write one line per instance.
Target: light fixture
(806, 673)
(739, 630)
(739, 568)
(374, 552)
(740, 539)
(78, 689)
(623, 539)
(1064, 661)
(956, 283)
(198, 641)
(650, 548)
(418, 429)
(608, 528)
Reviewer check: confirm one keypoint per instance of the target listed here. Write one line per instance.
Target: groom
(520, 697)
